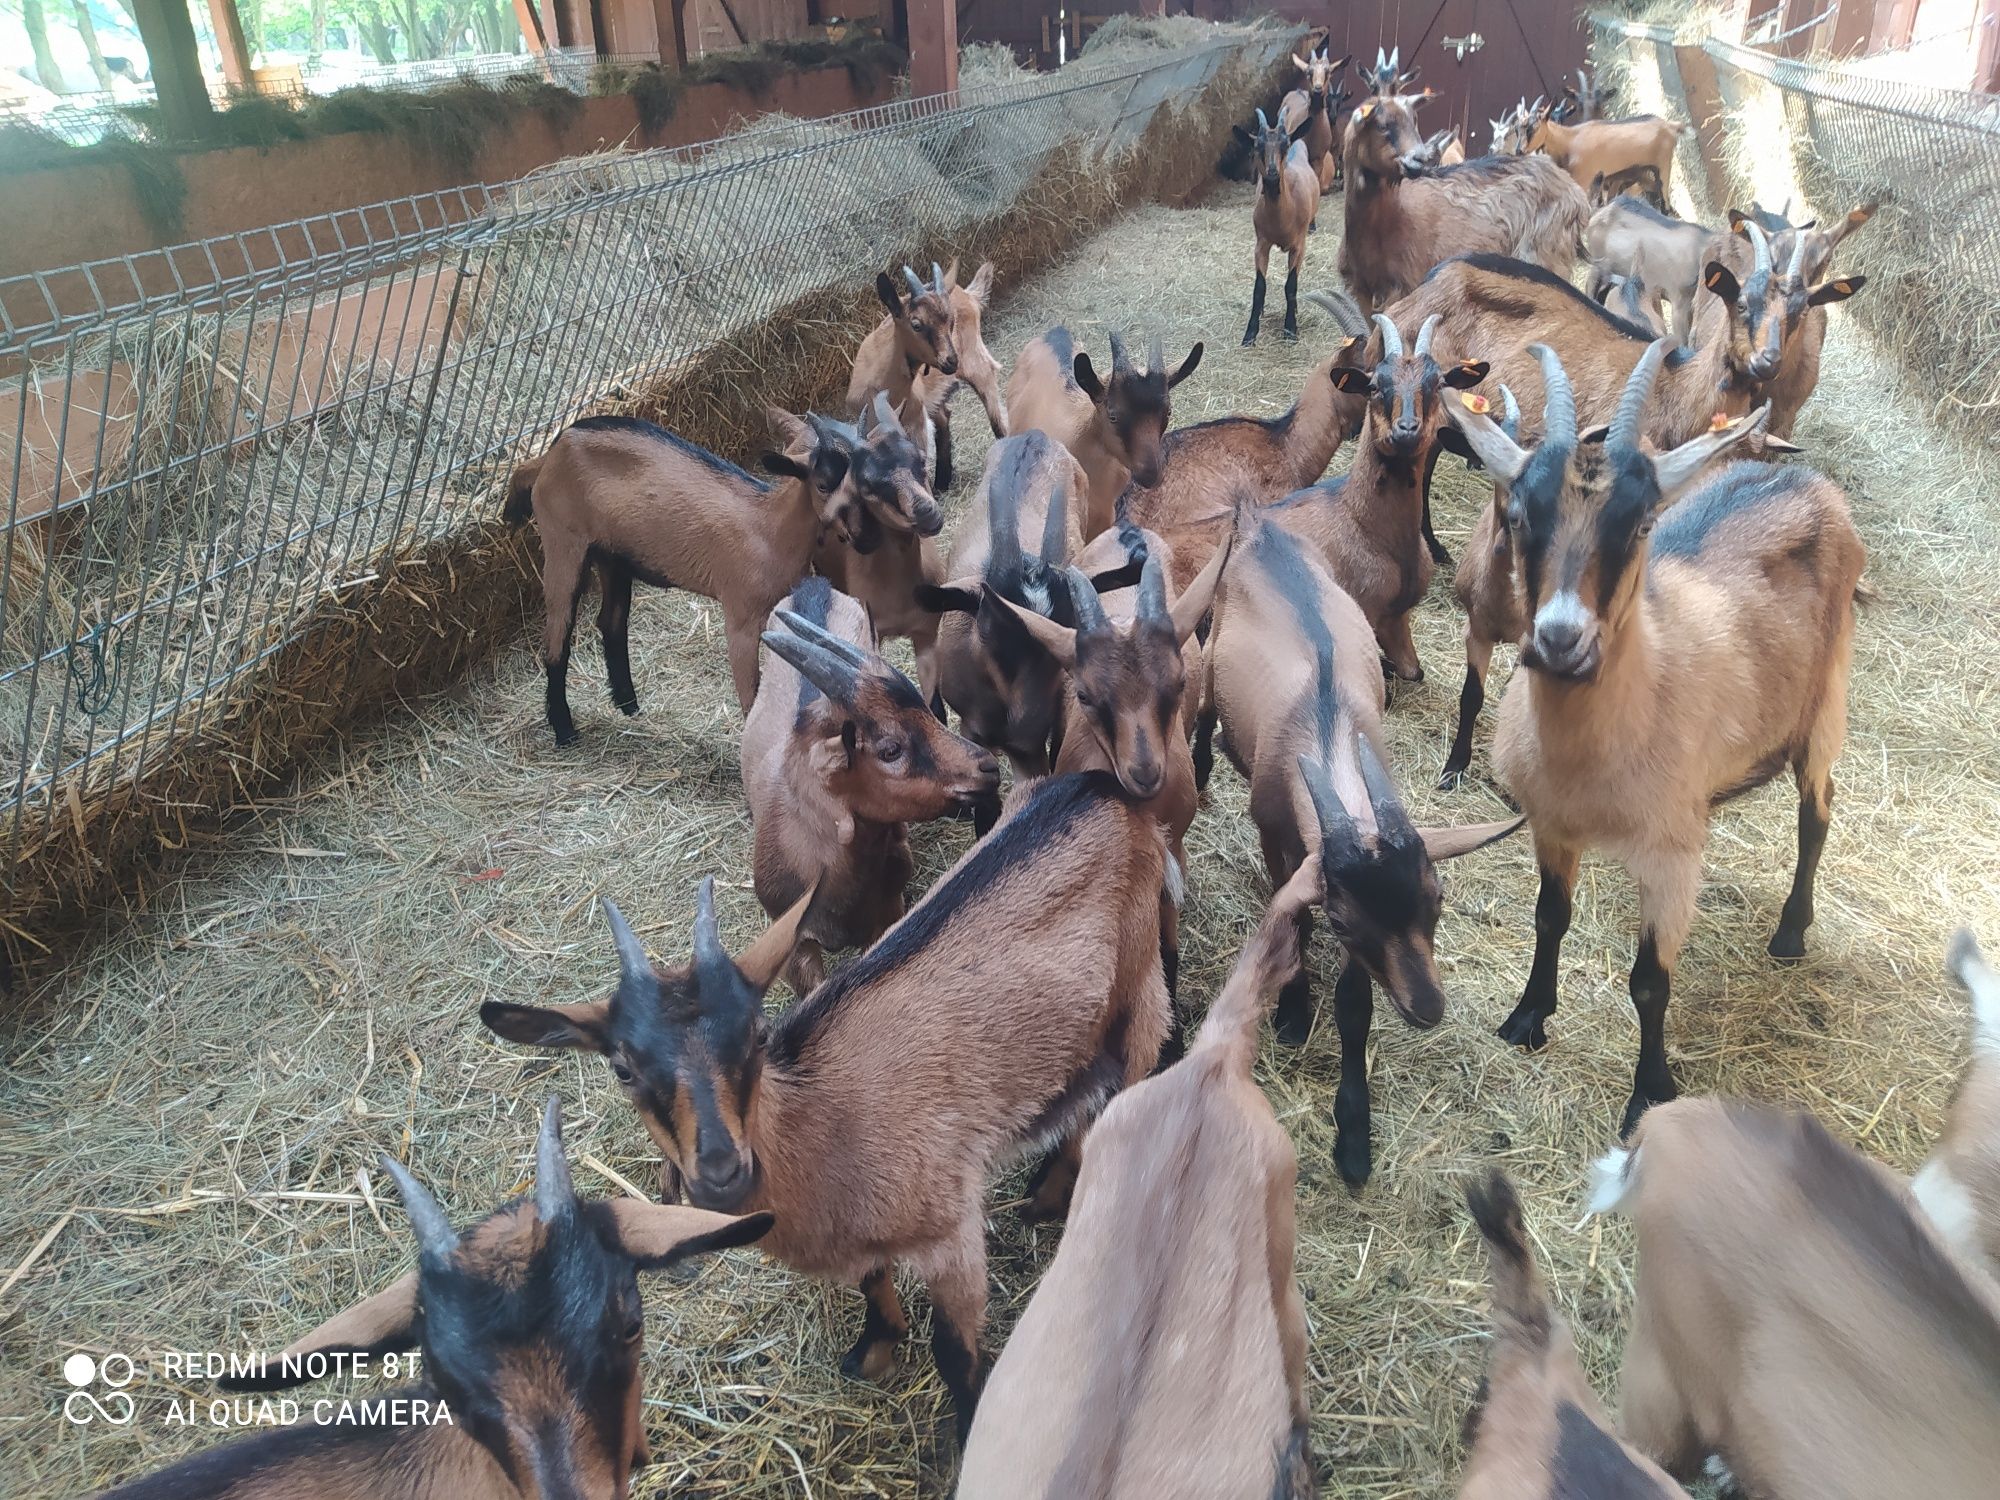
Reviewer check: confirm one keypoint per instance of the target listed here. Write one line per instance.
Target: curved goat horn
(1335, 825)
(710, 958)
(1424, 333)
(1626, 424)
(916, 282)
(632, 960)
(937, 277)
(1084, 603)
(1152, 603)
(1119, 361)
(436, 1239)
(1391, 818)
(555, 1194)
(1796, 269)
(1761, 244)
(832, 675)
(1558, 400)
(1510, 413)
(1392, 341)
(820, 636)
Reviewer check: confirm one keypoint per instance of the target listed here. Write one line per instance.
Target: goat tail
(521, 493)
(1345, 310)
(1269, 959)
(1968, 966)
(1520, 1302)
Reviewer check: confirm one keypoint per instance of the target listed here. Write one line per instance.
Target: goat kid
(1605, 147)
(1667, 668)
(1630, 238)
(633, 501)
(840, 753)
(1287, 208)
(1162, 1356)
(1488, 589)
(1539, 1432)
(928, 345)
(1797, 1317)
(1113, 428)
(1314, 106)
(531, 1331)
(1293, 685)
(869, 1116)
(1368, 523)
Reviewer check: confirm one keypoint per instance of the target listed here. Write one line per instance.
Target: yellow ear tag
(1476, 404)
(1719, 422)
(1365, 111)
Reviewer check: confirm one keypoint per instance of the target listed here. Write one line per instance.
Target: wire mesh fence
(1824, 138)
(211, 442)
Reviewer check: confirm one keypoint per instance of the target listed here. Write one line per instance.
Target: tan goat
(841, 753)
(1368, 523)
(1959, 1183)
(1630, 238)
(1314, 106)
(1677, 654)
(997, 1016)
(531, 1331)
(1293, 683)
(1797, 1317)
(632, 500)
(917, 352)
(1539, 1432)
(1286, 209)
(1163, 1355)
(1605, 147)
(1404, 216)
(1112, 427)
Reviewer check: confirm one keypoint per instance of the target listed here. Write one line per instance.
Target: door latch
(1460, 45)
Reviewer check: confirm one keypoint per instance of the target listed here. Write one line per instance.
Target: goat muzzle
(722, 1187)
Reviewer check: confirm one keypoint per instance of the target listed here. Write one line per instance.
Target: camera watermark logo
(83, 1405)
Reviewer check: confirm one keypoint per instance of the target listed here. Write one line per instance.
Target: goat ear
(1720, 280)
(1086, 377)
(1596, 434)
(582, 1028)
(1124, 576)
(1299, 134)
(1678, 467)
(1351, 381)
(981, 285)
(1837, 290)
(1466, 374)
(960, 598)
(761, 962)
(1449, 843)
(1301, 64)
(1186, 367)
(1496, 450)
(1243, 135)
(885, 288)
(792, 431)
(381, 1324)
(1058, 640)
(785, 465)
(653, 1235)
(1198, 597)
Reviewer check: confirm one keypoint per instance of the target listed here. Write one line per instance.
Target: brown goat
(531, 1331)
(1368, 523)
(1017, 996)
(1630, 238)
(1666, 667)
(916, 352)
(1287, 207)
(1958, 1186)
(1602, 148)
(1797, 1317)
(840, 753)
(1502, 308)
(1112, 427)
(632, 500)
(1259, 459)
(1314, 106)
(1293, 684)
(1488, 589)
(1163, 1355)
(880, 548)
(1540, 1432)
(1399, 224)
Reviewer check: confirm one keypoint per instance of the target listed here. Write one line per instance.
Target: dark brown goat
(1368, 523)
(1294, 686)
(1665, 668)
(1489, 591)
(1399, 225)
(1112, 427)
(531, 1331)
(998, 1015)
(840, 753)
(1315, 106)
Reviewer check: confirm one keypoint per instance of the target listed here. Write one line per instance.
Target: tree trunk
(87, 29)
(375, 32)
(318, 45)
(48, 72)
(174, 61)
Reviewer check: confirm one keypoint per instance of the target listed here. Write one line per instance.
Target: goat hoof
(1049, 1190)
(1355, 1161)
(1788, 945)
(1524, 1029)
(870, 1359)
(1438, 554)
(629, 708)
(1451, 778)
(1249, 340)
(566, 737)
(1291, 333)
(1292, 1021)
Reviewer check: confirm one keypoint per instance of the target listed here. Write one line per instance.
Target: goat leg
(614, 621)
(1293, 1018)
(1292, 300)
(883, 1326)
(958, 1312)
(1438, 554)
(1204, 749)
(1524, 1027)
(1353, 1016)
(1256, 309)
(1471, 698)
(1815, 812)
(1651, 985)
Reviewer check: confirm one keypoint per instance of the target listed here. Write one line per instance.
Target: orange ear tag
(1719, 422)
(1476, 404)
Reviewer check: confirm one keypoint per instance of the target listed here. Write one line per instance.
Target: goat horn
(1392, 341)
(1760, 243)
(1396, 60)
(1797, 267)
(1558, 400)
(820, 636)
(1119, 362)
(1390, 817)
(1424, 333)
(1084, 603)
(883, 413)
(1263, 125)
(821, 667)
(436, 1239)
(1055, 525)
(632, 960)
(826, 431)
(916, 282)
(555, 1194)
(1510, 409)
(937, 277)
(1625, 425)
(1334, 822)
(711, 959)
(1156, 357)
(1381, 61)
(1152, 590)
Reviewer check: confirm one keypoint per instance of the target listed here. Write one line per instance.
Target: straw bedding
(198, 1099)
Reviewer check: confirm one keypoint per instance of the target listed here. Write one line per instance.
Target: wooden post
(530, 21)
(933, 47)
(670, 20)
(1845, 32)
(175, 63)
(229, 42)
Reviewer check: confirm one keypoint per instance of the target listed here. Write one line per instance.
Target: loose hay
(305, 995)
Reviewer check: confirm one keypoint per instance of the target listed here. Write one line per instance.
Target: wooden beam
(933, 47)
(670, 21)
(742, 36)
(174, 60)
(530, 21)
(229, 42)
